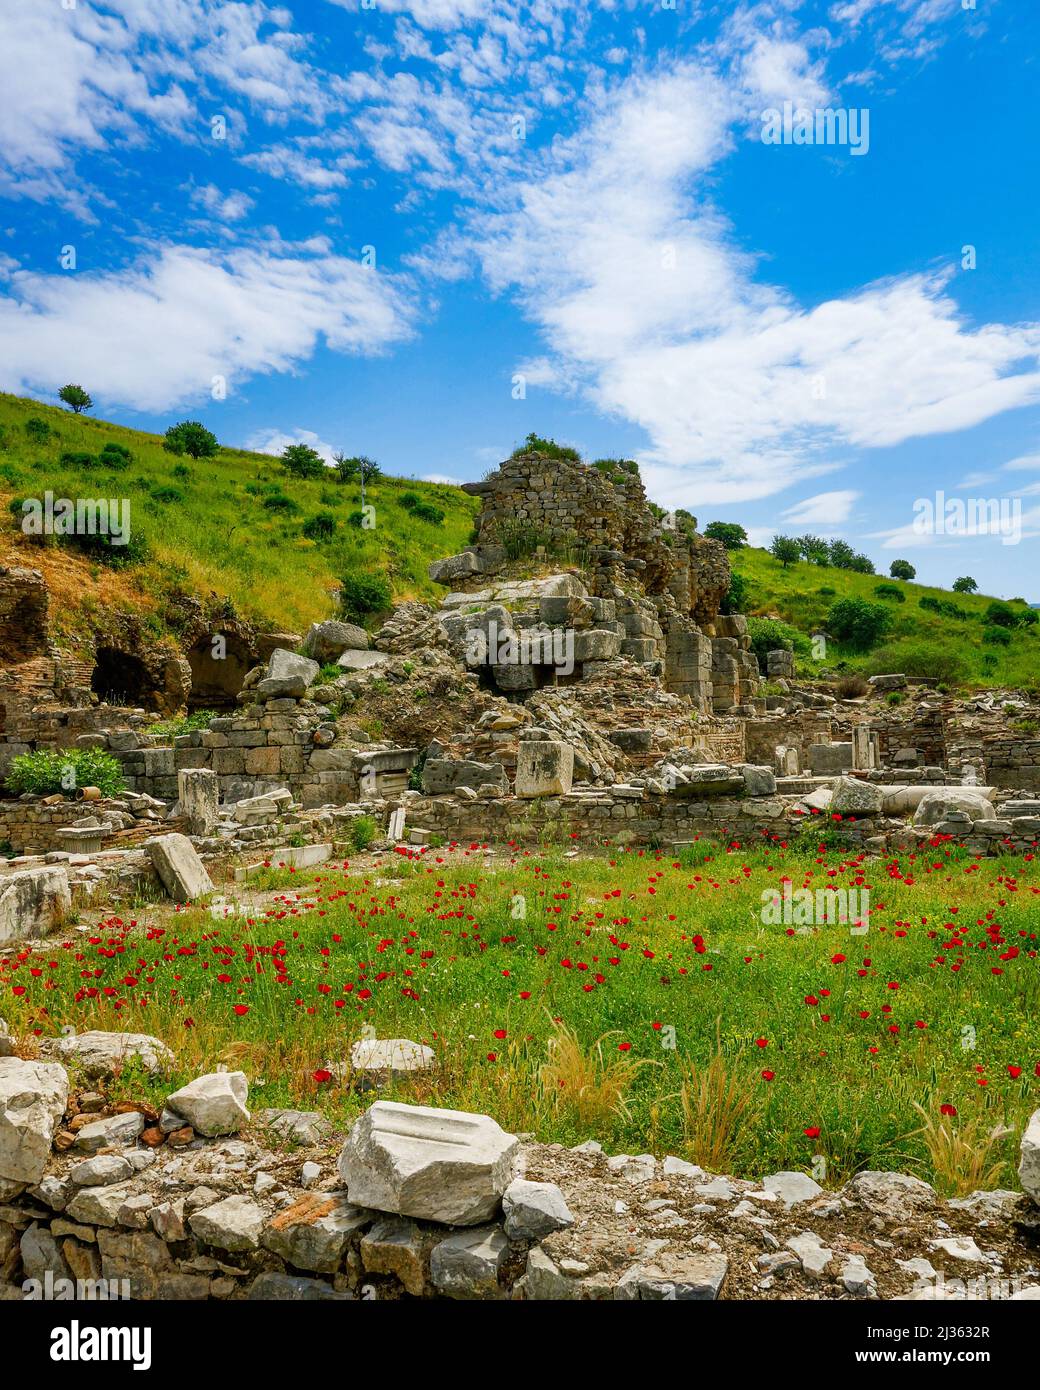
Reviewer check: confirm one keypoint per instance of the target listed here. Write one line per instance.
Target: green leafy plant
(75, 398)
(362, 594)
(858, 622)
(362, 832)
(51, 770)
(191, 438)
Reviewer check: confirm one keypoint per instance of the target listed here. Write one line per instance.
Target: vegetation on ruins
(47, 771)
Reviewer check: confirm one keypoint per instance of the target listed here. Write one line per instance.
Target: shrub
(861, 565)
(51, 770)
(77, 459)
(116, 457)
(38, 430)
(735, 599)
(279, 502)
(858, 622)
(852, 687)
(320, 527)
(425, 512)
(902, 569)
(891, 592)
(167, 494)
(770, 635)
(1029, 617)
(362, 832)
(360, 468)
(408, 500)
(933, 657)
(363, 594)
(1000, 614)
(996, 636)
(964, 585)
(191, 438)
(535, 444)
(101, 548)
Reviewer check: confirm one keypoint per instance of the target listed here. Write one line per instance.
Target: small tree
(729, 533)
(841, 554)
(965, 585)
(191, 438)
(302, 461)
(75, 398)
(360, 468)
(861, 564)
(814, 549)
(785, 549)
(902, 569)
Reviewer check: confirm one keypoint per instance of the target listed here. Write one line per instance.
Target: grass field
(621, 995)
(920, 643)
(208, 529)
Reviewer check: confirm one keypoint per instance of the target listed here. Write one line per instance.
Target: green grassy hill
(955, 645)
(213, 527)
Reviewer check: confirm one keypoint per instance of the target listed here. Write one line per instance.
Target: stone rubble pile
(206, 1200)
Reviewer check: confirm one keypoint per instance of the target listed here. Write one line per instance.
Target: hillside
(956, 650)
(217, 527)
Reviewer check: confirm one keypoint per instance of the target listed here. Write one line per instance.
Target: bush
(51, 770)
(1000, 614)
(535, 444)
(996, 636)
(320, 527)
(362, 832)
(116, 457)
(363, 594)
(902, 569)
(77, 459)
(770, 635)
(891, 592)
(279, 502)
(936, 658)
(99, 547)
(964, 585)
(167, 493)
(425, 512)
(408, 500)
(191, 438)
(858, 622)
(38, 430)
(735, 599)
(852, 687)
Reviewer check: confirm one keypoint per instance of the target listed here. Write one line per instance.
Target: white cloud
(431, 14)
(616, 254)
(1025, 463)
(160, 331)
(825, 509)
(275, 441)
(441, 478)
(225, 207)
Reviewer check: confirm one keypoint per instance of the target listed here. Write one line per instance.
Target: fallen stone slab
(534, 1209)
(853, 797)
(101, 1171)
(314, 1233)
(33, 1096)
(362, 661)
(675, 1276)
(34, 902)
(434, 1165)
(235, 1224)
(304, 1127)
(468, 1264)
(179, 867)
(393, 1056)
(895, 1196)
(792, 1188)
(101, 1055)
(934, 808)
(214, 1104)
(114, 1131)
(326, 641)
(544, 767)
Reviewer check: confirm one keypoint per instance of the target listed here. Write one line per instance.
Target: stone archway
(219, 662)
(120, 678)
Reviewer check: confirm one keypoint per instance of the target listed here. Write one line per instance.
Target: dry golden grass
(718, 1103)
(582, 1081)
(961, 1157)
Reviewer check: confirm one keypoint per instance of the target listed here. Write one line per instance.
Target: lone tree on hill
(302, 461)
(359, 468)
(901, 569)
(785, 549)
(965, 585)
(191, 438)
(732, 536)
(75, 398)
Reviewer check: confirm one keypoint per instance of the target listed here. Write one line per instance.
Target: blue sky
(367, 222)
